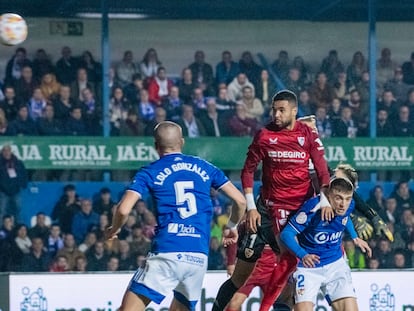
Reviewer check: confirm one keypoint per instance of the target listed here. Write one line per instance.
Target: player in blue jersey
(180, 185)
(317, 244)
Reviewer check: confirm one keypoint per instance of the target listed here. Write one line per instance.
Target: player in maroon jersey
(284, 147)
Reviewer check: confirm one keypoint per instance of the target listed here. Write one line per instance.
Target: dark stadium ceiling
(311, 10)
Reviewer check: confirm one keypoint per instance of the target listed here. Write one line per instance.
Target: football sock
(224, 295)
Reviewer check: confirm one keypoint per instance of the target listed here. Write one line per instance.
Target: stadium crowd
(40, 97)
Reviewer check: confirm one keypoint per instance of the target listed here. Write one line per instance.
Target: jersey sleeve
(254, 156)
(317, 154)
(218, 178)
(141, 182)
(351, 229)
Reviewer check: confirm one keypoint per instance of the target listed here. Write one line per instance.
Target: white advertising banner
(377, 291)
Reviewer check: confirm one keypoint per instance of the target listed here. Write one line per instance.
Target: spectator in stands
(146, 109)
(141, 259)
(41, 228)
(323, 124)
(159, 86)
(191, 125)
(356, 68)
(304, 71)
(26, 84)
(91, 112)
(404, 197)
(138, 242)
(399, 260)
(240, 124)
(22, 239)
(118, 110)
(391, 210)
(235, 88)
(377, 201)
(198, 101)
(389, 104)
(214, 122)
(84, 220)
(202, 73)
(410, 253)
(23, 125)
(59, 264)
(281, 65)
(345, 126)
(250, 68)
(173, 103)
(63, 103)
(37, 260)
(294, 82)
(80, 264)
(265, 89)
(66, 208)
(373, 263)
(132, 126)
(88, 242)
(97, 257)
(223, 101)
(215, 256)
(112, 264)
(69, 250)
(321, 93)
(37, 104)
(332, 66)
(82, 82)
(112, 80)
(226, 69)
(133, 89)
(405, 228)
(126, 231)
(6, 229)
(410, 103)
(384, 125)
(76, 124)
(397, 85)
(385, 67)
(149, 64)
(41, 64)
(363, 88)
(15, 65)
(359, 112)
(126, 69)
(5, 128)
(305, 106)
(13, 179)
(54, 240)
(104, 203)
(186, 85)
(10, 104)
(160, 115)
(126, 261)
(66, 66)
(140, 210)
(92, 67)
(6, 242)
(383, 252)
(403, 127)
(356, 259)
(254, 106)
(341, 87)
(408, 70)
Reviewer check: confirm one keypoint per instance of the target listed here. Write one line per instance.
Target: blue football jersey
(322, 238)
(180, 185)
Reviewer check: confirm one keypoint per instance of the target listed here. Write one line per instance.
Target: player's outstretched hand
(381, 228)
(363, 246)
(362, 226)
(230, 236)
(253, 220)
(310, 260)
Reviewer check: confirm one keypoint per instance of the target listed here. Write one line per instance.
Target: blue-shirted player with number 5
(180, 185)
(317, 244)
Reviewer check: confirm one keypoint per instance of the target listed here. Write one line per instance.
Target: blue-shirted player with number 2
(180, 185)
(317, 244)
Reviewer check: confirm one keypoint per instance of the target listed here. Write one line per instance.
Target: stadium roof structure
(310, 10)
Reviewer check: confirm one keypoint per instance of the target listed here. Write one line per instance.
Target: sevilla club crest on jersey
(301, 140)
(248, 252)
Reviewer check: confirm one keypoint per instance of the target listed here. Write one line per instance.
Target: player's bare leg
(304, 306)
(345, 304)
(177, 306)
(134, 302)
(236, 302)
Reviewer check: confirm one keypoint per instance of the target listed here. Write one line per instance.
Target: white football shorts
(181, 272)
(334, 280)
